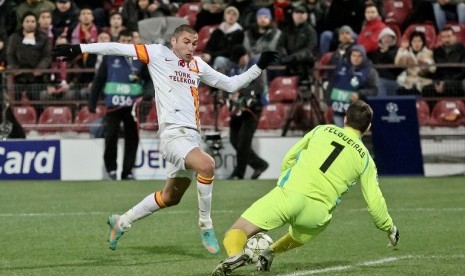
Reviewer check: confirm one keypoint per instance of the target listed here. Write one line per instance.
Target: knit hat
(387, 31)
(346, 29)
(264, 12)
(237, 52)
(231, 8)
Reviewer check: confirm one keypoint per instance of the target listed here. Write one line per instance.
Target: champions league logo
(392, 117)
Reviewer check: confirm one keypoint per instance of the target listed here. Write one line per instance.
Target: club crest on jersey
(193, 66)
(181, 63)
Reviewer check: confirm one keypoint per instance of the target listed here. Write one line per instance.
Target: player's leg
(310, 217)
(265, 214)
(131, 142)
(169, 196)
(204, 165)
(111, 143)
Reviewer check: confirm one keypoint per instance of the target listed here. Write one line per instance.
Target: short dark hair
(419, 34)
(26, 14)
(359, 115)
(183, 28)
(124, 32)
(448, 28)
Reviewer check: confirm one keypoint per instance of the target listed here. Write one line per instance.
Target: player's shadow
(164, 250)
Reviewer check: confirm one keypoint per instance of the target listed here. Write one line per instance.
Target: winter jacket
(368, 37)
(415, 76)
(256, 42)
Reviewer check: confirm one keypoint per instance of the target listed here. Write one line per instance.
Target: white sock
(144, 208)
(204, 194)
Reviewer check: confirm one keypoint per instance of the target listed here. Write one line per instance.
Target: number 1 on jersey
(334, 154)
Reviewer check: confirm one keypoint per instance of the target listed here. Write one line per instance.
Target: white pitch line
(452, 209)
(346, 267)
(95, 213)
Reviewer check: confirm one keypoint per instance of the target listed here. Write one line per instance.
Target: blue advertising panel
(396, 136)
(27, 159)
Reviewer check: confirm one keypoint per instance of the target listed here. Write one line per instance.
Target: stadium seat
(204, 35)
(273, 117)
(84, 118)
(428, 29)
(283, 89)
(324, 61)
(207, 115)
(26, 116)
(459, 30)
(423, 112)
(329, 116)
(189, 11)
(205, 96)
(224, 117)
(55, 119)
(396, 30)
(151, 120)
(448, 113)
(397, 11)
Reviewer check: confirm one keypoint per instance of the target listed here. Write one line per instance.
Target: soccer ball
(256, 244)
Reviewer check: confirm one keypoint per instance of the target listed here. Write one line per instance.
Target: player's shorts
(175, 144)
(307, 217)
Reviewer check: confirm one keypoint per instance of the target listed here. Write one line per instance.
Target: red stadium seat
(273, 116)
(207, 115)
(204, 35)
(205, 96)
(189, 11)
(428, 29)
(151, 121)
(397, 11)
(84, 118)
(459, 30)
(26, 116)
(224, 117)
(283, 89)
(396, 30)
(448, 113)
(423, 112)
(55, 119)
(329, 116)
(324, 61)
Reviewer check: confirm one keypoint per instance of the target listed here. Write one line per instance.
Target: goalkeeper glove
(393, 236)
(266, 58)
(68, 51)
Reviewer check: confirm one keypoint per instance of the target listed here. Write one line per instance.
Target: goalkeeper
(315, 173)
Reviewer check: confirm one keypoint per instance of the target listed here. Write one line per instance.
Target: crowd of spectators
(302, 31)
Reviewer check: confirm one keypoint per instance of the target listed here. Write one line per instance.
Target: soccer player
(315, 173)
(176, 74)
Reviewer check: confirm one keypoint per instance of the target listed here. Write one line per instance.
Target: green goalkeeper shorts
(307, 217)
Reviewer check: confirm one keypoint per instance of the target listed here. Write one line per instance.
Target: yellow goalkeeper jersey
(328, 161)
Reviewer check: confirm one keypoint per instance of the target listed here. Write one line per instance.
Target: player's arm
(70, 51)
(216, 79)
(374, 198)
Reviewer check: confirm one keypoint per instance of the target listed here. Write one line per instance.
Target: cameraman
(118, 78)
(245, 107)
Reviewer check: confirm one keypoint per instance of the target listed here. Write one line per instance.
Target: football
(256, 244)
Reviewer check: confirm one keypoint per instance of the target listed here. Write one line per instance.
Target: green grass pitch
(58, 228)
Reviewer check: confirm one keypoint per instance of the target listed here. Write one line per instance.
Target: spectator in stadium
(245, 107)
(282, 11)
(371, 28)
(118, 78)
(353, 79)
(34, 6)
(262, 35)
(3, 44)
(84, 32)
(448, 81)
(45, 26)
(28, 49)
(222, 40)
(448, 10)
(297, 44)
(247, 10)
(309, 188)
(317, 10)
(7, 17)
(10, 128)
(135, 10)
(346, 42)
(385, 54)
(340, 13)
(176, 74)
(64, 18)
(211, 13)
(116, 26)
(411, 54)
(57, 86)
